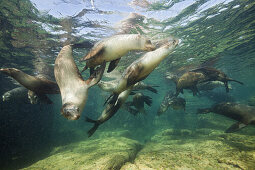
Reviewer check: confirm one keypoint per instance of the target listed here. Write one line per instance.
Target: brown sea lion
(109, 111)
(213, 74)
(113, 48)
(35, 98)
(74, 90)
(244, 114)
(39, 85)
(170, 100)
(138, 102)
(189, 80)
(18, 94)
(141, 68)
(210, 85)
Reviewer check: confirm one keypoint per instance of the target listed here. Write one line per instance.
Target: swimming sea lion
(35, 98)
(142, 86)
(141, 68)
(126, 106)
(109, 111)
(39, 85)
(210, 85)
(189, 80)
(213, 74)
(73, 89)
(111, 49)
(109, 86)
(138, 102)
(18, 94)
(244, 114)
(177, 103)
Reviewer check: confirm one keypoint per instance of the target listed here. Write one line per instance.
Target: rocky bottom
(169, 149)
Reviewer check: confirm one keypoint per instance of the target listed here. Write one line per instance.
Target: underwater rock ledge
(198, 149)
(103, 153)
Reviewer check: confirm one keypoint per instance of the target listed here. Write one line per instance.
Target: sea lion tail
(150, 88)
(203, 111)
(147, 100)
(94, 128)
(229, 79)
(96, 76)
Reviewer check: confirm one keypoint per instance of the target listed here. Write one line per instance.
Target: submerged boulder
(100, 153)
(199, 149)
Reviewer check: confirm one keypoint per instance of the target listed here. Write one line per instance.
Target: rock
(198, 149)
(104, 153)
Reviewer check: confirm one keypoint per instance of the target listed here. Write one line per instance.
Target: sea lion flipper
(113, 65)
(235, 127)
(94, 52)
(150, 88)
(96, 76)
(147, 100)
(94, 128)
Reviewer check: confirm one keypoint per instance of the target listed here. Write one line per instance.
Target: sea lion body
(170, 100)
(109, 111)
(138, 102)
(109, 86)
(213, 74)
(142, 67)
(18, 94)
(113, 48)
(189, 80)
(142, 86)
(244, 114)
(210, 85)
(33, 83)
(73, 89)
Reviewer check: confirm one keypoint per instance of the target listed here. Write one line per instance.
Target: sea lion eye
(148, 41)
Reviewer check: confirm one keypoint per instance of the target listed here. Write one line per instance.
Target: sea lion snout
(70, 111)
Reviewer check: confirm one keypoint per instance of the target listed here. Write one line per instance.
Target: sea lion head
(146, 44)
(172, 43)
(33, 98)
(10, 71)
(6, 96)
(70, 111)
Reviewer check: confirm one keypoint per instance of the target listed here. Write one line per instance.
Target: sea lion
(73, 89)
(244, 114)
(210, 85)
(213, 74)
(126, 106)
(138, 102)
(132, 22)
(109, 86)
(142, 86)
(189, 80)
(141, 68)
(177, 103)
(38, 98)
(38, 84)
(109, 111)
(18, 94)
(113, 48)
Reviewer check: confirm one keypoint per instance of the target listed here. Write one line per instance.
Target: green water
(219, 33)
